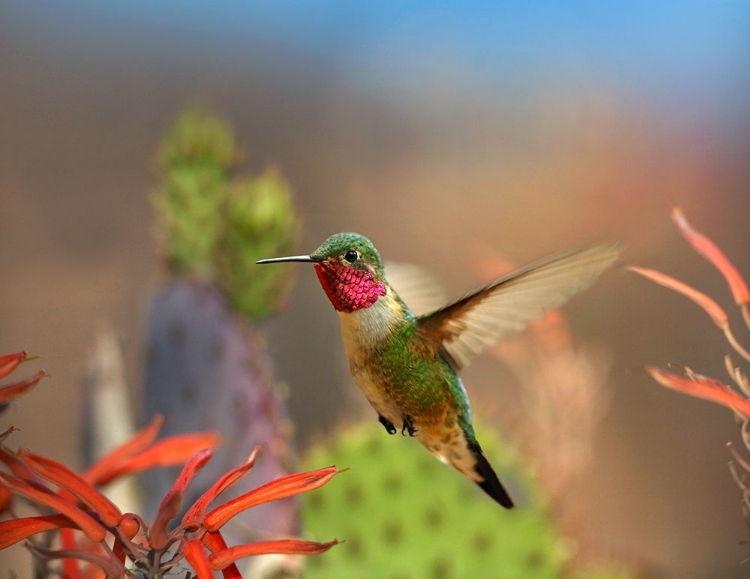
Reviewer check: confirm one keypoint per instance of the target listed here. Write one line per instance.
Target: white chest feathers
(365, 330)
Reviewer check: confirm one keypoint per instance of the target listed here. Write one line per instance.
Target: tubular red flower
(16, 530)
(709, 306)
(167, 452)
(197, 557)
(17, 466)
(225, 557)
(39, 494)
(71, 568)
(6, 497)
(281, 488)
(702, 387)
(170, 505)
(12, 391)
(214, 542)
(76, 485)
(232, 477)
(708, 249)
(101, 472)
(129, 527)
(9, 362)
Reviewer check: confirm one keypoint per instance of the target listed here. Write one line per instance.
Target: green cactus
(199, 138)
(205, 371)
(215, 227)
(605, 572)
(207, 366)
(195, 159)
(259, 221)
(404, 514)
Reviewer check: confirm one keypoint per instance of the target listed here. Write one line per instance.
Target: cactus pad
(213, 225)
(404, 514)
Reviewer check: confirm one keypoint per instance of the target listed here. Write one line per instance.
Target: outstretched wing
(417, 288)
(465, 327)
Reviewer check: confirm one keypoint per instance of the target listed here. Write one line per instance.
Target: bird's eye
(351, 256)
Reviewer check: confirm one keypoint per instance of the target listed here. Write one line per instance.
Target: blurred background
(451, 134)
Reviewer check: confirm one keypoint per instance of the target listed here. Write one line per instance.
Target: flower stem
(735, 344)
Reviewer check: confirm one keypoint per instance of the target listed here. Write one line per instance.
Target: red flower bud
(281, 488)
(281, 546)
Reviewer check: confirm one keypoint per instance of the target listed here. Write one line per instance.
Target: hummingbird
(408, 365)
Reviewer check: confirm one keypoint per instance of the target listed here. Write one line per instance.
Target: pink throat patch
(349, 289)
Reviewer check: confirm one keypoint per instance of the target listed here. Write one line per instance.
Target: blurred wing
(416, 287)
(465, 327)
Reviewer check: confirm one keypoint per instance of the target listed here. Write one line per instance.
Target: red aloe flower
(170, 451)
(102, 471)
(708, 249)
(6, 497)
(15, 530)
(214, 542)
(44, 496)
(76, 486)
(8, 393)
(281, 488)
(713, 309)
(170, 505)
(197, 557)
(9, 362)
(96, 533)
(228, 556)
(694, 384)
(193, 537)
(78, 506)
(702, 387)
(195, 512)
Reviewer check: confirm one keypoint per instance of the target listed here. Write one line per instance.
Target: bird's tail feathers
(490, 483)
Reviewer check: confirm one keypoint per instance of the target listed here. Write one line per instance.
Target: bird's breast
(367, 335)
(399, 373)
(368, 330)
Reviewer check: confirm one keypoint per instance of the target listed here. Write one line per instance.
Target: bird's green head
(349, 269)
(352, 250)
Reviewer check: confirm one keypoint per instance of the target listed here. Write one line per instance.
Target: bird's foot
(408, 426)
(390, 429)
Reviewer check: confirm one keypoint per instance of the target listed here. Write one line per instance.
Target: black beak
(302, 258)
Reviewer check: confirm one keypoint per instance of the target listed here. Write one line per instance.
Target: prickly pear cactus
(403, 514)
(195, 160)
(214, 226)
(207, 371)
(259, 222)
(604, 572)
(206, 368)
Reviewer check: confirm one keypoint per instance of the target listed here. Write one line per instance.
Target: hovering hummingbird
(407, 365)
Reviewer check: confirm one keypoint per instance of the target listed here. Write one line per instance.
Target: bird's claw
(408, 426)
(390, 429)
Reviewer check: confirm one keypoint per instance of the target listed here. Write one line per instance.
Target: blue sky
(699, 50)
